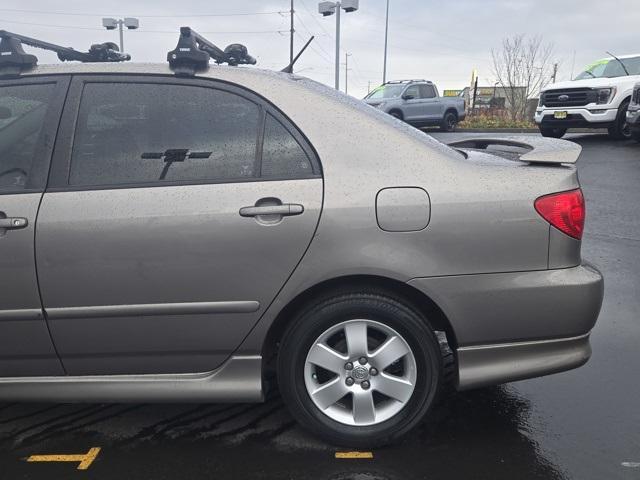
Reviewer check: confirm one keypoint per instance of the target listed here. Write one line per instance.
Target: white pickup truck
(597, 98)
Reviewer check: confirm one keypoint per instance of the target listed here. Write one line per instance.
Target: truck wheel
(360, 369)
(620, 129)
(552, 132)
(449, 122)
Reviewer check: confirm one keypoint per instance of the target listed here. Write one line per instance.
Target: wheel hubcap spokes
(360, 372)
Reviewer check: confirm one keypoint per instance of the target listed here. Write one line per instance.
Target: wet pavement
(583, 424)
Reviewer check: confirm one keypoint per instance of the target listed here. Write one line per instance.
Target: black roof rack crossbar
(193, 52)
(14, 60)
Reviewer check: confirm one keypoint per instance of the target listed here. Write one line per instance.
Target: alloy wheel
(360, 372)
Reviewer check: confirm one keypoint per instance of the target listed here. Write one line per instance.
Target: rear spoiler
(534, 149)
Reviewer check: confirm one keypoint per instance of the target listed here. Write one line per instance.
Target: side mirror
(408, 96)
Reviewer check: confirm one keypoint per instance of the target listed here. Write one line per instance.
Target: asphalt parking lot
(583, 424)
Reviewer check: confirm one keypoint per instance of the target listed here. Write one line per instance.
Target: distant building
(491, 97)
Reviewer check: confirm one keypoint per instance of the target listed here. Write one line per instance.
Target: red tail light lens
(564, 210)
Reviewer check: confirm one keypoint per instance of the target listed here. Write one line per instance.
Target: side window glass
(413, 90)
(23, 109)
(282, 155)
(130, 133)
(427, 91)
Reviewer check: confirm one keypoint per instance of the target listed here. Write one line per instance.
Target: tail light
(564, 210)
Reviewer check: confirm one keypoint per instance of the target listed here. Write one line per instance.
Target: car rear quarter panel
(482, 214)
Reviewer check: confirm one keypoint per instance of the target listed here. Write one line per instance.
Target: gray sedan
(193, 239)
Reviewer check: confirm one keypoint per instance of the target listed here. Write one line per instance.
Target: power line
(138, 31)
(43, 12)
(315, 50)
(316, 20)
(319, 45)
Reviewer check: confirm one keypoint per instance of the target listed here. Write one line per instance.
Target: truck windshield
(610, 67)
(386, 91)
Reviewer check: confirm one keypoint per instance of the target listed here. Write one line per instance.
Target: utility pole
(292, 31)
(337, 45)
(346, 72)
(386, 38)
(555, 72)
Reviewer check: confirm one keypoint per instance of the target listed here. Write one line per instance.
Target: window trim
(61, 162)
(51, 122)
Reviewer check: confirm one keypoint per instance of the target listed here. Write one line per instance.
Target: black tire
(397, 114)
(552, 132)
(635, 134)
(620, 129)
(449, 122)
(311, 322)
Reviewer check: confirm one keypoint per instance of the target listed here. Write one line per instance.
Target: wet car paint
(583, 424)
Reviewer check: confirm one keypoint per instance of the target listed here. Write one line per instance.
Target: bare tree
(522, 67)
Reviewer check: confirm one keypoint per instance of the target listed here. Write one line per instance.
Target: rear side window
(23, 110)
(427, 91)
(282, 155)
(131, 133)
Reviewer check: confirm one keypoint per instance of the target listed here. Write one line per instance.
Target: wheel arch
(625, 100)
(414, 297)
(451, 110)
(398, 111)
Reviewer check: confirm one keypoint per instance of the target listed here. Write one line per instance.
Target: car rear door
(29, 117)
(177, 210)
(431, 104)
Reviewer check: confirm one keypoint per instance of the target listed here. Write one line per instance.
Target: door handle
(284, 210)
(13, 223)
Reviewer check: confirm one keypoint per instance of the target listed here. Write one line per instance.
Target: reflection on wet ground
(470, 433)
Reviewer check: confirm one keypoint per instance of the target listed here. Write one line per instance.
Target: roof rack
(408, 81)
(193, 52)
(14, 60)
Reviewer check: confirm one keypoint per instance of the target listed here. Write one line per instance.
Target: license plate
(560, 115)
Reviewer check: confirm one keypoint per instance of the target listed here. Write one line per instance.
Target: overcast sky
(437, 40)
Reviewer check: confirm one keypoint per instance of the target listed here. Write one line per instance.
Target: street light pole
(330, 8)
(120, 23)
(386, 38)
(112, 24)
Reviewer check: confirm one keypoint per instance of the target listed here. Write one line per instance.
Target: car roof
(125, 68)
(620, 57)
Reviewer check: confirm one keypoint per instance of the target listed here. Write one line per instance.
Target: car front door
(177, 209)
(413, 104)
(29, 117)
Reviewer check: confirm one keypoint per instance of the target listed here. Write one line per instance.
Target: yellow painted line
(354, 454)
(85, 459)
